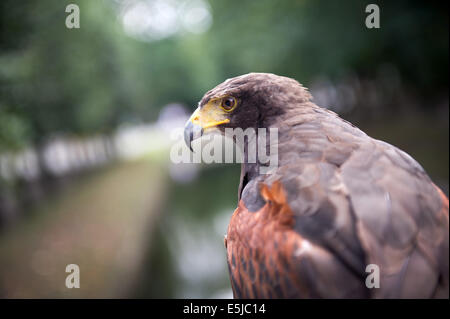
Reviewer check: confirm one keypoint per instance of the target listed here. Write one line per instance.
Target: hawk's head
(251, 100)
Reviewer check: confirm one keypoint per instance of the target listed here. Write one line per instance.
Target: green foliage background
(89, 80)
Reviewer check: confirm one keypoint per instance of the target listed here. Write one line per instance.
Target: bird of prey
(338, 202)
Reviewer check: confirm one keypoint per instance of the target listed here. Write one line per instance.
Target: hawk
(338, 202)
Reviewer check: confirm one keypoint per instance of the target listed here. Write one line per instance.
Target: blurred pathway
(102, 223)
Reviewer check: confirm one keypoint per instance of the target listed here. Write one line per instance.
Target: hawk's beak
(191, 132)
(200, 120)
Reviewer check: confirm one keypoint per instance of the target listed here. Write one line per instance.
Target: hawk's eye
(228, 103)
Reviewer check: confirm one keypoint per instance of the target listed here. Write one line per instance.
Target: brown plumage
(338, 201)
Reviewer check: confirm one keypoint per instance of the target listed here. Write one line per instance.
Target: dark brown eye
(228, 103)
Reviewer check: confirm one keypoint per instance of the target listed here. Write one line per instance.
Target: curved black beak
(191, 132)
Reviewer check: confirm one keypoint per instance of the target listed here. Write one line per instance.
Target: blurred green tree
(89, 80)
